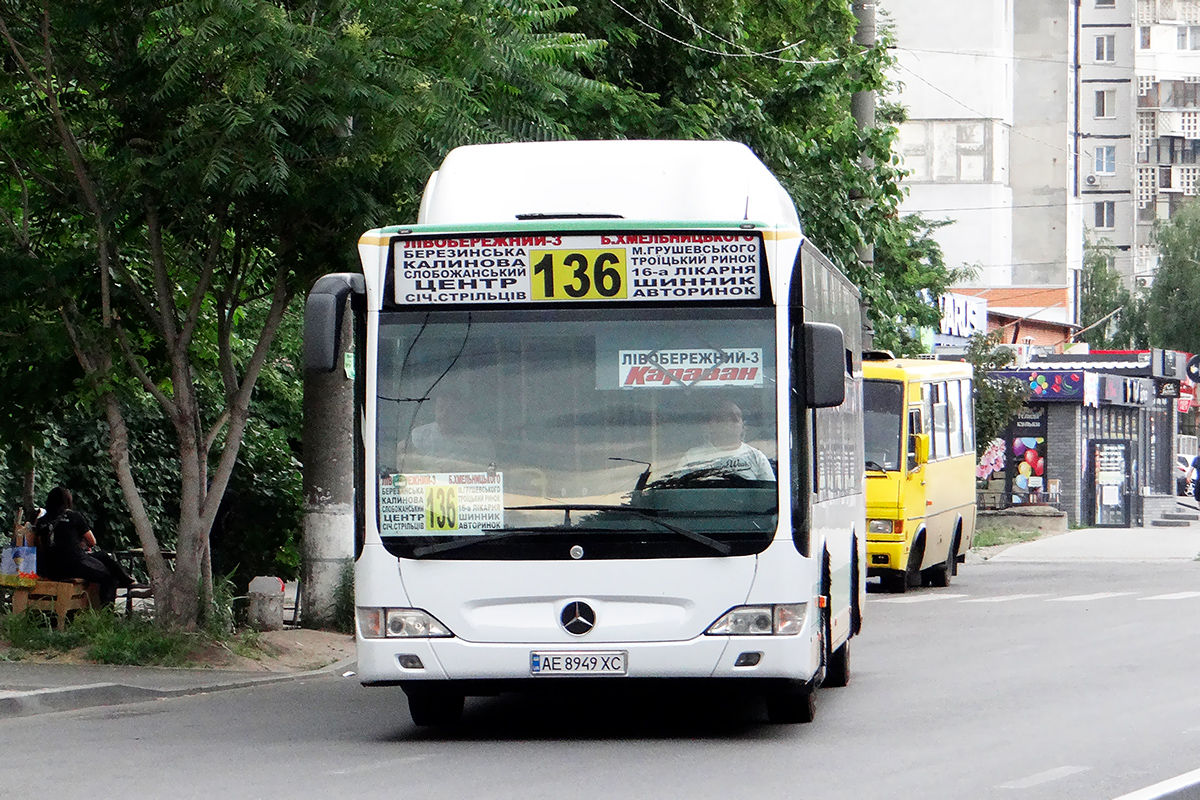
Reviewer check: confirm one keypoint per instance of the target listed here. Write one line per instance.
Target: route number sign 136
(578, 275)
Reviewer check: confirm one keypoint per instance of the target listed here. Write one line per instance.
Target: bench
(56, 597)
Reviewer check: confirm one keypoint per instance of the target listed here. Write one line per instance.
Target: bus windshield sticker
(448, 503)
(604, 267)
(696, 367)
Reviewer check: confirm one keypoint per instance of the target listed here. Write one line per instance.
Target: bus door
(913, 497)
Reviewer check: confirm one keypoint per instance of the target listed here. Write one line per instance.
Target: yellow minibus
(919, 425)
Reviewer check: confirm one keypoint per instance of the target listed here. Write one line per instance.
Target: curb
(73, 698)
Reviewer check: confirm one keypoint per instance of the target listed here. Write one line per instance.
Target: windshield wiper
(467, 541)
(875, 466)
(699, 538)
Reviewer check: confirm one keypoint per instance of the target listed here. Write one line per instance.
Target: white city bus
(611, 428)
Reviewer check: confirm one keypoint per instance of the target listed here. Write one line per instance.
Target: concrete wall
(1041, 161)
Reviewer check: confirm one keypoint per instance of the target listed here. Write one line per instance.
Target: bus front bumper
(886, 557)
(380, 661)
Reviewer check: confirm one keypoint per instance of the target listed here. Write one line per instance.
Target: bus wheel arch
(912, 572)
(939, 575)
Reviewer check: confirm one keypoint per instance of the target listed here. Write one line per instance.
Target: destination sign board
(608, 267)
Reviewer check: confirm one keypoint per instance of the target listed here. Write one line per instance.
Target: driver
(725, 451)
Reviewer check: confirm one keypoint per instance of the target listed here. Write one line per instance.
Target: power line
(747, 54)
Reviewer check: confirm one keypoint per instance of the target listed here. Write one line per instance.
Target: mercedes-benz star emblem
(578, 618)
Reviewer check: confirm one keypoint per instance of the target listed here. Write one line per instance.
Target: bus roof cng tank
(631, 179)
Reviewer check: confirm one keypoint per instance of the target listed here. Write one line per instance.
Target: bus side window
(927, 418)
(914, 427)
(954, 405)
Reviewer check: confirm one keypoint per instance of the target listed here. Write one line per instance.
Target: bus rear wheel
(431, 706)
(790, 703)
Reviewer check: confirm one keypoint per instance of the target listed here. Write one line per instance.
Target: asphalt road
(1020, 681)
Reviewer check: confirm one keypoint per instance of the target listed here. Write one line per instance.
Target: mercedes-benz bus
(610, 428)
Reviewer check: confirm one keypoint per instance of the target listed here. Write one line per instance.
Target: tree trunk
(29, 472)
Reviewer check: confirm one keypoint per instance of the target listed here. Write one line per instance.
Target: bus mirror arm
(824, 352)
(323, 314)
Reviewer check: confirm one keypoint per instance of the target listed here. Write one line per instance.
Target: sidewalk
(1108, 544)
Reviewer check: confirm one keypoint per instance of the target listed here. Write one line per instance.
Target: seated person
(452, 433)
(725, 451)
(66, 548)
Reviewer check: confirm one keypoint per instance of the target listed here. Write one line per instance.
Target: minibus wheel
(431, 705)
(791, 702)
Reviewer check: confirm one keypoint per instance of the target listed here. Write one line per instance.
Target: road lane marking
(1004, 598)
(925, 598)
(1166, 788)
(1175, 596)
(1083, 598)
(1039, 778)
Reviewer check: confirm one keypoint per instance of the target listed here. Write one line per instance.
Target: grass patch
(103, 637)
(990, 537)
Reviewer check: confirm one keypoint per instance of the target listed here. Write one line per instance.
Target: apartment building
(1039, 125)
(1164, 125)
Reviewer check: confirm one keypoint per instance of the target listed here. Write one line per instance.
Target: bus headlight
(775, 620)
(400, 623)
(880, 526)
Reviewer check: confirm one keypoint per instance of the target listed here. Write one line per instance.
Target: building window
(1106, 159)
(1106, 104)
(1106, 47)
(1106, 3)
(1106, 215)
(1144, 41)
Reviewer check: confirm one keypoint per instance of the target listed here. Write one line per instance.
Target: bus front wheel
(791, 702)
(430, 705)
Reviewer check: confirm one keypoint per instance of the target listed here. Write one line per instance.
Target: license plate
(578, 662)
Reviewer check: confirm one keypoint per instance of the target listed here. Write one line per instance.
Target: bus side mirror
(323, 313)
(824, 352)
(921, 445)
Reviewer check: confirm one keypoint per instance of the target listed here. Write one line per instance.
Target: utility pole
(862, 107)
(328, 478)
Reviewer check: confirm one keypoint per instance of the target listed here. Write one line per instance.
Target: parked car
(1183, 486)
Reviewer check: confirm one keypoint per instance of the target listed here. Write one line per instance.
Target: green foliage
(1112, 318)
(997, 399)
(1174, 313)
(108, 638)
(175, 173)
(910, 274)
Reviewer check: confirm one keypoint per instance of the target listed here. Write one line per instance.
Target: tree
(192, 166)
(1112, 318)
(997, 400)
(777, 76)
(1173, 312)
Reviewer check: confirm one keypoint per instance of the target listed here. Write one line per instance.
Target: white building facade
(991, 89)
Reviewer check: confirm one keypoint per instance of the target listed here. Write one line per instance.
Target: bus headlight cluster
(400, 623)
(882, 526)
(774, 620)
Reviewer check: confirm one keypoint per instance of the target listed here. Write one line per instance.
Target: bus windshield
(644, 432)
(882, 409)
